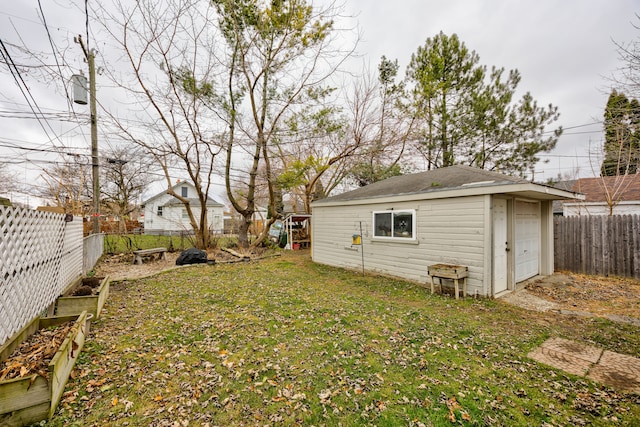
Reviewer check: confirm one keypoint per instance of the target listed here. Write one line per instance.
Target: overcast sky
(564, 51)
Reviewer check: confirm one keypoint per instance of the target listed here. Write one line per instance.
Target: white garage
(527, 240)
(499, 227)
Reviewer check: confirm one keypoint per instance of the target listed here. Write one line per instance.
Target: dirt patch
(120, 266)
(592, 294)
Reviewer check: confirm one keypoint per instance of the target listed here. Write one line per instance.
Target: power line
(7, 57)
(53, 49)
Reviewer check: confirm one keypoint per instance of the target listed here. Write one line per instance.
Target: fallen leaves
(294, 343)
(594, 294)
(34, 354)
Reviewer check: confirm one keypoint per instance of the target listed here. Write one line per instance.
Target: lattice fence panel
(39, 257)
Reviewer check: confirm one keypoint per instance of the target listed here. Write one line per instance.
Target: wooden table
(448, 271)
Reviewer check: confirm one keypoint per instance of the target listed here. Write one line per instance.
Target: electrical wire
(7, 57)
(55, 56)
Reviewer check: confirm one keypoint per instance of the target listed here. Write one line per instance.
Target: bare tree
(629, 72)
(125, 176)
(365, 140)
(279, 55)
(68, 186)
(168, 46)
(7, 179)
(381, 125)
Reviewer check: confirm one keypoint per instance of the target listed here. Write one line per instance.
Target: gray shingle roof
(448, 178)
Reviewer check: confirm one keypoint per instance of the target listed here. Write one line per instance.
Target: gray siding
(448, 231)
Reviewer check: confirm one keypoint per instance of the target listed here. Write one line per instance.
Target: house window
(185, 215)
(185, 191)
(159, 210)
(395, 224)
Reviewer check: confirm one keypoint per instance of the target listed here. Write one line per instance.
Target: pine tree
(470, 115)
(622, 135)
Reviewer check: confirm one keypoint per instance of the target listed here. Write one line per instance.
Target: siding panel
(448, 231)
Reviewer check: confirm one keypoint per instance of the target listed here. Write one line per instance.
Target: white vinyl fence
(40, 256)
(93, 247)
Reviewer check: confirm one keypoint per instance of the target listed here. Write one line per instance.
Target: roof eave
(525, 190)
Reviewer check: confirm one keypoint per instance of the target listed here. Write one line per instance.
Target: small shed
(297, 227)
(164, 214)
(497, 226)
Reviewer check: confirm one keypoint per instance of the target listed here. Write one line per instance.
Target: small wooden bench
(139, 255)
(446, 271)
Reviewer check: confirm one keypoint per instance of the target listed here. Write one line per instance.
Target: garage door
(527, 236)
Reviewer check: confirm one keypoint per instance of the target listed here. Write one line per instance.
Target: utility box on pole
(79, 83)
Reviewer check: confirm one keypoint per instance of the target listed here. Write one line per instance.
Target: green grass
(119, 243)
(288, 342)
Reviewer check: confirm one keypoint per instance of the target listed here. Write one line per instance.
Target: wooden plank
(26, 416)
(635, 246)
(628, 267)
(234, 253)
(74, 305)
(150, 251)
(64, 360)
(21, 393)
(583, 247)
(47, 322)
(103, 294)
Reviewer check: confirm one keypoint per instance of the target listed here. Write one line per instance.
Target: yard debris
(291, 342)
(34, 354)
(591, 294)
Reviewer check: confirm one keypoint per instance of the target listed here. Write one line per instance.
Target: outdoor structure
(164, 214)
(499, 227)
(42, 254)
(608, 195)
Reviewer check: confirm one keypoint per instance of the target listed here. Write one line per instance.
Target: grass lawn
(284, 341)
(119, 243)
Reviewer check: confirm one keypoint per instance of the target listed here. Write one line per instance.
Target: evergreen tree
(469, 114)
(622, 135)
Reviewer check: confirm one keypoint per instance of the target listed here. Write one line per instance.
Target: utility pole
(95, 169)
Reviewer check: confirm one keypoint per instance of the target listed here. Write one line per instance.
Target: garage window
(394, 225)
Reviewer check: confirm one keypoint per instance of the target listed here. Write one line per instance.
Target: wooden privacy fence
(40, 256)
(600, 245)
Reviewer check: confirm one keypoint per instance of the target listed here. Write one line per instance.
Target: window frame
(184, 191)
(159, 210)
(413, 238)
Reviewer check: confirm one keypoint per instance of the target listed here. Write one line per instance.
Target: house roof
(452, 181)
(563, 185)
(176, 202)
(193, 202)
(622, 188)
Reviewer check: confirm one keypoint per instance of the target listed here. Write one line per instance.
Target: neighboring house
(164, 214)
(609, 195)
(557, 204)
(500, 227)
